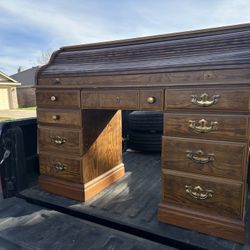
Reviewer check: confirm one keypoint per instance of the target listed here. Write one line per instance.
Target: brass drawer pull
(118, 99)
(199, 193)
(55, 117)
(58, 166)
(53, 98)
(58, 140)
(203, 101)
(202, 126)
(151, 99)
(200, 157)
(57, 80)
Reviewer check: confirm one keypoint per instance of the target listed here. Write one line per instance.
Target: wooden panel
(89, 99)
(222, 159)
(216, 99)
(58, 117)
(61, 167)
(189, 77)
(227, 127)
(58, 98)
(226, 197)
(127, 99)
(70, 141)
(151, 99)
(102, 142)
(218, 226)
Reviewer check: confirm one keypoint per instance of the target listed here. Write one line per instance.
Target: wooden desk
(199, 79)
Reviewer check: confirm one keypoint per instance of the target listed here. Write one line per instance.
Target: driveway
(16, 114)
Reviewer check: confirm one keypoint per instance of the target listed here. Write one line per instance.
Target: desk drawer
(151, 99)
(203, 194)
(61, 167)
(208, 99)
(58, 98)
(233, 127)
(127, 99)
(60, 140)
(59, 117)
(214, 158)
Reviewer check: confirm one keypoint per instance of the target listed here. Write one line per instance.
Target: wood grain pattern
(229, 158)
(229, 99)
(158, 95)
(72, 167)
(73, 140)
(230, 127)
(70, 118)
(226, 200)
(213, 225)
(90, 99)
(102, 142)
(61, 187)
(127, 99)
(164, 79)
(58, 98)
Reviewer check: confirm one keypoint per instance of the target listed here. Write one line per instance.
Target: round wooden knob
(55, 117)
(151, 100)
(53, 98)
(57, 80)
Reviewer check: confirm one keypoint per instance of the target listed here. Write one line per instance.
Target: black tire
(151, 121)
(149, 142)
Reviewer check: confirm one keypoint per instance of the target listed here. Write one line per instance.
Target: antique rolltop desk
(199, 79)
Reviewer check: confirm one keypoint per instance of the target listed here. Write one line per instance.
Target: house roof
(7, 80)
(26, 77)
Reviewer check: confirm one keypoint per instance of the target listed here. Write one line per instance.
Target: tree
(44, 57)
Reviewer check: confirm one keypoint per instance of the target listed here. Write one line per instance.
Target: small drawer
(151, 99)
(207, 157)
(127, 99)
(208, 195)
(58, 98)
(60, 140)
(58, 117)
(89, 99)
(206, 126)
(61, 167)
(208, 99)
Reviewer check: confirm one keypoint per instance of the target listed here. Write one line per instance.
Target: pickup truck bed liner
(132, 201)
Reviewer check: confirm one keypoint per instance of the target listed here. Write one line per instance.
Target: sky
(29, 28)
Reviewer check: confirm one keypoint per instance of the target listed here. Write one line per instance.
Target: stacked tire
(145, 131)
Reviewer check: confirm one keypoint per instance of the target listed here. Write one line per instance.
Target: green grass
(29, 108)
(6, 118)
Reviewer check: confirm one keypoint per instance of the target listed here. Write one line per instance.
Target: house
(26, 92)
(8, 92)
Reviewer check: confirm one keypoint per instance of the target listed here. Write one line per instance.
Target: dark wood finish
(58, 98)
(234, 127)
(231, 163)
(226, 199)
(127, 99)
(157, 95)
(210, 65)
(72, 140)
(231, 99)
(61, 167)
(90, 99)
(70, 118)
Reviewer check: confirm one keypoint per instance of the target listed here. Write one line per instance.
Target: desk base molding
(78, 191)
(215, 226)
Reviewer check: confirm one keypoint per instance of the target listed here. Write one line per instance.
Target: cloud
(30, 26)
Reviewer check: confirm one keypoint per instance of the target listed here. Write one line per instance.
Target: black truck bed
(131, 205)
